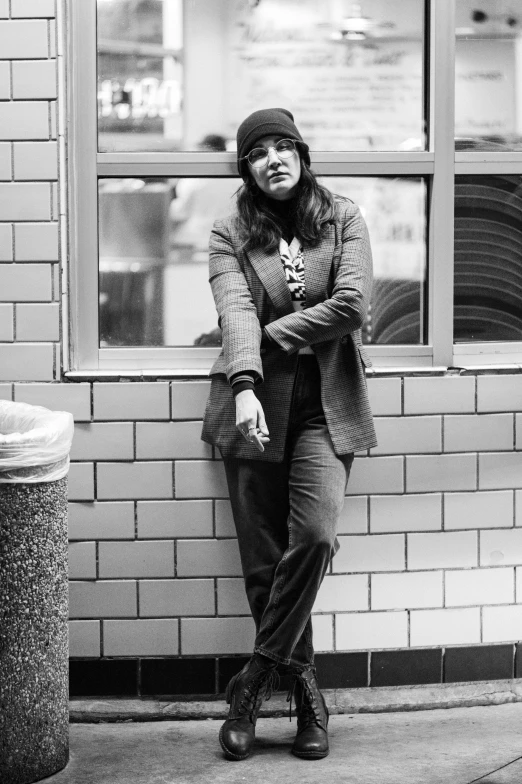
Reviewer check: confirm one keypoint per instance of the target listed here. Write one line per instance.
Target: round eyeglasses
(258, 157)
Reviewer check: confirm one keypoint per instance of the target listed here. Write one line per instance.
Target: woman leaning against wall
(291, 275)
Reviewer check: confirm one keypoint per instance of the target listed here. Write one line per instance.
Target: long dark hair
(259, 225)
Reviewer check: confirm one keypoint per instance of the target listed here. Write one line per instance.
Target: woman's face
(279, 178)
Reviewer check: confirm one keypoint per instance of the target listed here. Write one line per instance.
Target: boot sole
(311, 754)
(229, 754)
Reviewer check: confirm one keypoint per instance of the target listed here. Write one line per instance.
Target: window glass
(488, 258)
(154, 288)
(488, 72)
(182, 74)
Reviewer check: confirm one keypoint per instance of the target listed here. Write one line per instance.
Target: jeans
(286, 518)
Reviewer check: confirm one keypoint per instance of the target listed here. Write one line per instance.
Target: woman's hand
(250, 419)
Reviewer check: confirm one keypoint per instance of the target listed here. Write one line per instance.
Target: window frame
(438, 165)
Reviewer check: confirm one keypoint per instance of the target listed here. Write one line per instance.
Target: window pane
(182, 74)
(488, 258)
(488, 70)
(154, 288)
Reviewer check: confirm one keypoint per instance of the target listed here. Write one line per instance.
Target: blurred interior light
(353, 27)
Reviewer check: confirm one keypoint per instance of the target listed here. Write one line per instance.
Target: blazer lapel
(317, 267)
(269, 270)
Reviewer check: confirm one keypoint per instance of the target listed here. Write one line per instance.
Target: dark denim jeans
(286, 521)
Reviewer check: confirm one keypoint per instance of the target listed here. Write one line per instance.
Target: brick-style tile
(81, 482)
(385, 396)
(6, 242)
(364, 631)
(481, 432)
(339, 593)
(518, 431)
(499, 393)
(173, 598)
(406, 668)
(82, 561)
(342, 670)
(228, 666)
(208, 558)
(408, 435)
(103, 441)
(479, 586)
(103, 599)
(25, 282)
(502, 624)
(141, 638)
(5, 147)
(38, 322)
(99, 520)
(498, 470)
(231, 596)
(23, 39)
(34, 79)
(6, 391)
(322, 629)
(136, 559)
(389, 513)
(442, 550)
(354, 515)
(36, 242)
(103, 678)
(20, 201)
(173, 519)
(26, 362)
(134, 480)
(478, 510)
(439, 395)
(75, 398)
(84, 639)
(4, 9)
(444, 627)
(200, 479)
(479, 663)
(170, 677)
(6, 323)
(147, 400)
(369, 553)
(429, 473)
(518, 583)
(23, 120)
(175, 440)
(204, 636)
(376, 475)
(32, 8)
(189, 399)
(225, 521)
(406, 591)
(35, 161)
(501, 547)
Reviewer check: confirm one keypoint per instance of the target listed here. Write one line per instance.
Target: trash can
(34, 718)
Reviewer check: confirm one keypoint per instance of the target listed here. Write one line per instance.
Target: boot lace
(309, 712)
(250, 693)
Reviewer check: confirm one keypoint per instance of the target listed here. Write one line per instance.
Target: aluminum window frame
(438, 165)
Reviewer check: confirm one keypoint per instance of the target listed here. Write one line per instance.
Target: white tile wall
(147, 499)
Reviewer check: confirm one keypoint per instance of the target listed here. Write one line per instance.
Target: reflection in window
(488, 73)
(154, 288)
(488, 258)
(173, 72)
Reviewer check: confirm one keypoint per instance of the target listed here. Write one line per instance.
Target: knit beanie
(266, 122)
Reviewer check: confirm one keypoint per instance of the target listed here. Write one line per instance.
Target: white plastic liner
(34, 443)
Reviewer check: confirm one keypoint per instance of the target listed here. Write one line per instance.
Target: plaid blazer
(251, 293)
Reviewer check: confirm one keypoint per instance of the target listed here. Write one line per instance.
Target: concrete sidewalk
(453, 746)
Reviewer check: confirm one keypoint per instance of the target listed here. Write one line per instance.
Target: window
(156, 92)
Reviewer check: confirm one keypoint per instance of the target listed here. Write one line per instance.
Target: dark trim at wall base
(198, 677)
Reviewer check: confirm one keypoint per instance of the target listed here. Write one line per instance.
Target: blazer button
(344, 339)
(262, 350)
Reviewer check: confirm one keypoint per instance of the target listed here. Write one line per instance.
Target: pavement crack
(485, 776)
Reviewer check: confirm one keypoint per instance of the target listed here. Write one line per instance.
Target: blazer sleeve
(345, 310)
(237, 314)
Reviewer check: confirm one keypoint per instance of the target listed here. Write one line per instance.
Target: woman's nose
(273, 157)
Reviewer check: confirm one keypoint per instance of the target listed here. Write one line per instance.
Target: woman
(291, 276)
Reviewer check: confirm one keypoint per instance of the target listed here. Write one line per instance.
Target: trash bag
(34, 443)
